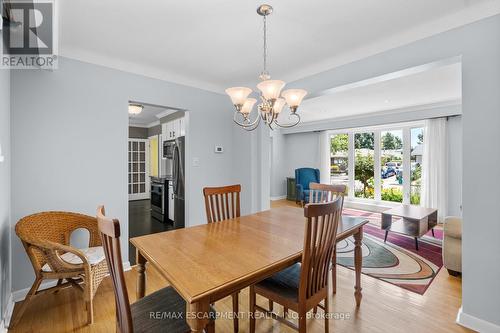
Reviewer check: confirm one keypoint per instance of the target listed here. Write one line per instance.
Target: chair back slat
(110, 235)
(319, 243)
(222, 203)
(325, 192)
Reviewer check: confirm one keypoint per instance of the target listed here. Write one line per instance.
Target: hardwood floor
(142, 223)
(384, 308)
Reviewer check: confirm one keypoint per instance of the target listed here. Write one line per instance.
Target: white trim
(20, 295)
(387, 77)
(165, 113)
(350, 164)
(369, 204)
(475, 323)
(377, 159)
(407, 162)
(402, 115)
(151, 124)
(279, 197)
(126, 266)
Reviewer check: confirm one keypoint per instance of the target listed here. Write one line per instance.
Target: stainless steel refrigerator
(178, 181)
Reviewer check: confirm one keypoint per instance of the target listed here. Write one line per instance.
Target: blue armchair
(303, 177)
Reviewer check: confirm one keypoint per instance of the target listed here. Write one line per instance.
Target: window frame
(377, 129)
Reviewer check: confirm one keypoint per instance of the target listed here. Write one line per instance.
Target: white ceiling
(149, 116)
(218, 43)
(434, 86)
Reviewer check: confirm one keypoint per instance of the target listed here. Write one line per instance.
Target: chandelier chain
(265, 46)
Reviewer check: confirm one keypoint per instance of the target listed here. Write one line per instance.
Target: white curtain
(434, 166)
(324, 157)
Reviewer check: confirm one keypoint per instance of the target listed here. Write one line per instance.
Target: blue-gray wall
(478, 44)
(5, 263)
(69, 143)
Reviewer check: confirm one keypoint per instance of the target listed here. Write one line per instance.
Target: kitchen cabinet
(173, 129)
(171, 208)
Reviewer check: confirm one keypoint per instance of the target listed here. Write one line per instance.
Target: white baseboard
(475, 323)
(280, 197)
(126, 266)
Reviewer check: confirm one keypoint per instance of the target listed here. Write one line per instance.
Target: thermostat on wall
(219, 149)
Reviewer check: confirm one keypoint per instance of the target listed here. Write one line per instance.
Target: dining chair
(325, 193)
(161, 311)
(46, 239)
(223, 203)
(304, 285)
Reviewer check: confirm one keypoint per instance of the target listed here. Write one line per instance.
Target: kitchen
(156, 169)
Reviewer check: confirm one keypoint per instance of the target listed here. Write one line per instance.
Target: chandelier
(270, 90)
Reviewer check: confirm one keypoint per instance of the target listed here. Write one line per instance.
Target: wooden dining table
(208, 262)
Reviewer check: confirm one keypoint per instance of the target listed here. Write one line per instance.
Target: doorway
(154, 206)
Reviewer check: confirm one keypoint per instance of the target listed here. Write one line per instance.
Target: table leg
(141, 275)
(358, 263)
(197, 315)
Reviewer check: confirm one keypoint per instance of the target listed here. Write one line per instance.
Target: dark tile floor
(141, 223)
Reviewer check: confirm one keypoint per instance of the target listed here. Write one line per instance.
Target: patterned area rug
(396, 261)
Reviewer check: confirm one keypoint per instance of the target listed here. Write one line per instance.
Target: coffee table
(415, 221)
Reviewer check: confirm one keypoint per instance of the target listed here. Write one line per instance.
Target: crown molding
(165, 113)
(85, 56)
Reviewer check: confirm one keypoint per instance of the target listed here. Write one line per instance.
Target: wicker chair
(46, 238)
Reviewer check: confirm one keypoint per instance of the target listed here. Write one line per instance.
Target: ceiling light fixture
(135, 109)
(270, 91)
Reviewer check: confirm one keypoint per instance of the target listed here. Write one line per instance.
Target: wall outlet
(196, 162)
(2, 158)
(219, 149)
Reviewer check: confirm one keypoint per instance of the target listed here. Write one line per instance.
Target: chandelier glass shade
(273, 99)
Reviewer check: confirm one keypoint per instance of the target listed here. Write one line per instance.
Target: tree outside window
(364, 168)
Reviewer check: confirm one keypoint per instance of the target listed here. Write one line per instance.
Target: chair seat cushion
(285, 282)
(94, 256)
(161, 311)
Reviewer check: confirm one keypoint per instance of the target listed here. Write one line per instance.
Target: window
(380, 163)
(364, 167)
(391, 165)
(339, 159)
(417, 140)
(138, 180)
